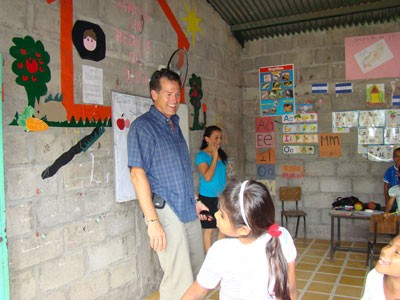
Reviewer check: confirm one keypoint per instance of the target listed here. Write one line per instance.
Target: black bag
(345, 201)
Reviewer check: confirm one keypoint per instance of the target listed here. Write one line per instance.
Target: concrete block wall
(68, 238)
(318, 57)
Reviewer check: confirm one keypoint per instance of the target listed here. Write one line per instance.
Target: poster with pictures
(277, 90)
(345, 119)
(380, 153)
(393, 118)
(392, 135)
(372, 118)
(370, 136)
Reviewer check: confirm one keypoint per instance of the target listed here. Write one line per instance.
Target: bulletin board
(125, 109)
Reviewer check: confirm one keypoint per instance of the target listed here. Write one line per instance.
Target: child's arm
(389, 203)
(292, 280)
(195, 292)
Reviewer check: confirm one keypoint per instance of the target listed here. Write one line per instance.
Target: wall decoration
(89, 40)
(271, 186)
(300, 138)
(92, 85)
(298, 149)
(344, 88)
(265, 147)
(132, 42)
(391, 135)
(304, 108)
(292, 171)
(330, 145)
(345, 119)
(277, 90)
(375, 93)
(265, 139)
(31, 67)
(230, 167)
(395, 93)
(192, 22)
(300, 128)
(196, 94)
(265, 171)
(78, 115)
(370, 136)
(83, 145)
(27, 120)
(380, 153)
(265, 156)
(392, 118)
(395, 100)
(340, 130)
(372, 56)
(300, 118)
(372, 118)
(183, 42)
(319, 88)
(265, 124)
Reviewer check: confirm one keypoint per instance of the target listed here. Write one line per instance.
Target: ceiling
(254, 19)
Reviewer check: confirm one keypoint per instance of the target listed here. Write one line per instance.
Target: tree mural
(196, 94)
(31, 67)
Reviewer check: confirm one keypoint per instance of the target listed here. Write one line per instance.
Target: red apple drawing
(120, 123)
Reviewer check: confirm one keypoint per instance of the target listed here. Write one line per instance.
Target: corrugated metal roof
(254, 19)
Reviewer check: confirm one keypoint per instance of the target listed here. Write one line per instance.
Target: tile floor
(317, 277)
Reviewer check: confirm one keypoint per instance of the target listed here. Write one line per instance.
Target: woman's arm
(208, 170)
(195, 292)
(292, 280)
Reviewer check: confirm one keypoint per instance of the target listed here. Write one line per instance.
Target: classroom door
(4, 277)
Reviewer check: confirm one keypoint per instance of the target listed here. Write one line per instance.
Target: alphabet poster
(125, 109)
(330, 145)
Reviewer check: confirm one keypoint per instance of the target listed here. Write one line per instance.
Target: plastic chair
(292, 194)
(382, 231)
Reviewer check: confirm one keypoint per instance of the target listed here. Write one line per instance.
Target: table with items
(339, 214)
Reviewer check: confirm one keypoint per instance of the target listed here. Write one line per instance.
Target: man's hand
(158, 240)
(199, 207)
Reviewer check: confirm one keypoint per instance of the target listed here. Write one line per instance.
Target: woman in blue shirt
(211, 162)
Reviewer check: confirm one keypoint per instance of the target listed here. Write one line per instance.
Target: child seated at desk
(383, 282)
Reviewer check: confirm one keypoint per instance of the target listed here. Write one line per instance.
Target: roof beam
(329, 13)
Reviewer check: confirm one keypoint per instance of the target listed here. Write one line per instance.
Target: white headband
(241, 202)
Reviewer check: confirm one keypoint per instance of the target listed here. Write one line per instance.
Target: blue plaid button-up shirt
(163, 154)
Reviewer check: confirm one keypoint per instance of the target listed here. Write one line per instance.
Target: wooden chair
(292, 194)
(382, 230)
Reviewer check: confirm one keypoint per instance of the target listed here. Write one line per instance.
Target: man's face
(167, 99)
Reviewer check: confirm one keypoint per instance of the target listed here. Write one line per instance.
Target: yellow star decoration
(193, 23)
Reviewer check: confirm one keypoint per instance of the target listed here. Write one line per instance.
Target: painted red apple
(371, 205)
(121, 122)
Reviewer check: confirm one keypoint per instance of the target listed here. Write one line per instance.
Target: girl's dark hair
(207, 133)
(162, 73)
(260, 214)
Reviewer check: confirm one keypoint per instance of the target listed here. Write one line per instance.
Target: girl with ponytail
(258, 260)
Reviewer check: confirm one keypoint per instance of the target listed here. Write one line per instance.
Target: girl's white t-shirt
(242, 269)
(373, 286)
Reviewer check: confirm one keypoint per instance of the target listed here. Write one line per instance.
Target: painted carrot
(35, 124)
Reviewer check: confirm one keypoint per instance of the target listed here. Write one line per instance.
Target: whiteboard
(125, 109)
